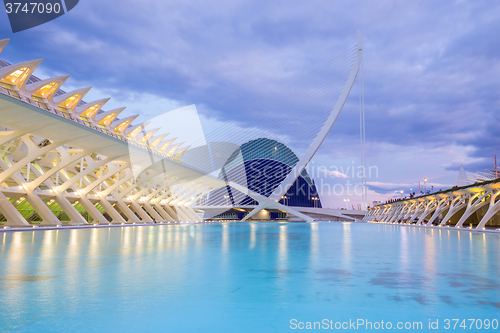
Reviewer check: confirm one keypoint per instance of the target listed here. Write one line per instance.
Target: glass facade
(261, 165)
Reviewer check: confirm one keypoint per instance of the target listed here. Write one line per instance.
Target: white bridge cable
(233, 132)
(304, 115)
(307, 104)
(362, 133)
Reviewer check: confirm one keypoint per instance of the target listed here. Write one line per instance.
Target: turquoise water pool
(247, 277)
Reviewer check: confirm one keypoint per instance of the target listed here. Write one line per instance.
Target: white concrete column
(164, 214)
(138, 209)
(128, 213)
(153, 212)
(14, 218)
(70, 210)
(92, 210)
(48, 218)
(116, 217)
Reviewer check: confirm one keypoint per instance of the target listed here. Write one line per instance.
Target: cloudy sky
(431, 72)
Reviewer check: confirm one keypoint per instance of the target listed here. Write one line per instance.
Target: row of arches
(476, 207)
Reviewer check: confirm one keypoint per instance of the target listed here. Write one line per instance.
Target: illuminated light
(16, 77)
(71, 102)
(6, 227)
(91, 111)
(46, 91)
(120, 128)
(57, 225)
(146, 137)
(123, 223)
(108, 119)
(165, 146)
(35, 226)
(156, 142)
(134, 133)
(21, 187)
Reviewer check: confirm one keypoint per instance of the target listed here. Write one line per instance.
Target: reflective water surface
(244, 277)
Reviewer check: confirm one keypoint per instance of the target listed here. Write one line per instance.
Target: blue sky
(431, 72)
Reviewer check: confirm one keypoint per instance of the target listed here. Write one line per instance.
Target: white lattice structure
(476, 205)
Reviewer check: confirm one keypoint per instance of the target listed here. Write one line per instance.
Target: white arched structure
(477, 204)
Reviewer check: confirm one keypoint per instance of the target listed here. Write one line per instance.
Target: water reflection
(242, 270)
(253, 235)
(404, 249)
(346, 246)
(282, 261)
(314, 245)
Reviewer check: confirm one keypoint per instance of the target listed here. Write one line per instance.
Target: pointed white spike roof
(174, 148)
(31, 64)
(122, 124)
(100, 117)
(148, 134)
(34, 87)
(3, 42)
(181, 151)
(165, 144)
(136, 129)
(155, 141)
(61, 98)
(83, 108)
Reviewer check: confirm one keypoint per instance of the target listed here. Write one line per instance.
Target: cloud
(331, 173)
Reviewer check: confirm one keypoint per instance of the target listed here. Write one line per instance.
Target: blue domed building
(261, 165)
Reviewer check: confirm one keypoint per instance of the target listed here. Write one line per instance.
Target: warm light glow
(108, 119)
(16, 77)
(91, 111)
(146, 137)
(171, 151)
(165, 146)
(156, 142)
(46, 91)
(71, 102)
(120, 128)
(134, 133)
